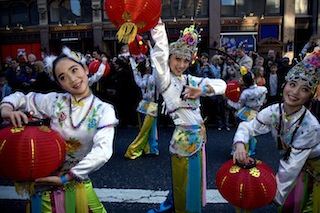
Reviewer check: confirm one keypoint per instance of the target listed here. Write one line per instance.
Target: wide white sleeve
(160, 55)
(102, 148)
(39, 104)
(259, 125)
(218, 85)
(97, 76)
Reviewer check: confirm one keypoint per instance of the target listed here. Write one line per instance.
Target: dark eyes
(304, 89)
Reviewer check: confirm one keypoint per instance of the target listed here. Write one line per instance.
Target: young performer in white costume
(147, 140)
(181, 94)
(85, 123)
(296, 132)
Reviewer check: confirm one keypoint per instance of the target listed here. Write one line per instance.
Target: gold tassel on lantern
(24, 187)
(127, 32)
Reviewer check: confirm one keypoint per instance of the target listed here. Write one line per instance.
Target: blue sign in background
(231, 42)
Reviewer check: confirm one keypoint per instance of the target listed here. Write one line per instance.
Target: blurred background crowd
(27, 73)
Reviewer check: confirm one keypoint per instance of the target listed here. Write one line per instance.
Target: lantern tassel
(24, 188)
(127, 32)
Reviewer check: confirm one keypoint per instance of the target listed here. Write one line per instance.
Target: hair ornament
(76, 56)
(186, 46)
(66, 53)
(48, 62)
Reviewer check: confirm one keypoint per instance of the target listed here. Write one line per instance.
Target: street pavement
(125, 185)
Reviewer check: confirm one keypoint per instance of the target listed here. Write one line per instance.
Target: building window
(301, 7)
(228, 7)
(247, 7)
(19, 14)
(184, 8)
(4, 14)
(70, 11)
(34, 18)
(54, 11)
(273, 7)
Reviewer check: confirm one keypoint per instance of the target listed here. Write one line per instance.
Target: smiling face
(72, 77)
(178, 65)
(295, 94)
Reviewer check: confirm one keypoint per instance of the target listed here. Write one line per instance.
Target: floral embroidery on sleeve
(60, 114)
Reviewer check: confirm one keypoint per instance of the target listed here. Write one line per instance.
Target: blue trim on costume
(36, 203)
(193, 196)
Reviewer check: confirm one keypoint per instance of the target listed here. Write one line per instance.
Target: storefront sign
(231, 41)
(68, 28)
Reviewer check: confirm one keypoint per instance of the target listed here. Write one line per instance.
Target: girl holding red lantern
(181, 94)
(85, 123)
(297, 132)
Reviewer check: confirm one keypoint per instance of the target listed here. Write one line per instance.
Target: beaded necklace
(84, 118)
(282, 145)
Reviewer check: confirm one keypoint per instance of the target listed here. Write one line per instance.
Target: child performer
(181, 94)
(147, 140)
(296, 131)
(87, 125)
(251, 100)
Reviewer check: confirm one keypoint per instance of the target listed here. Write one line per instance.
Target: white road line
(121, 195)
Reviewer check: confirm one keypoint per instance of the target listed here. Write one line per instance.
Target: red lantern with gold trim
(133, 16)
(138, 46)
(247, 187)
(233, 90)
(30, 152)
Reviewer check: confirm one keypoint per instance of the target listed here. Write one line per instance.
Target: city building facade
(44, 26)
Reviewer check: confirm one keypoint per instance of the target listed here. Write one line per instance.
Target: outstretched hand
(192, 92)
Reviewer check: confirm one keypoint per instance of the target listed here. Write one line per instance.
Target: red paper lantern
(94, 66)
(233, 90)
(133, 16)
(30, 152)
(249, 187)
(138, 46)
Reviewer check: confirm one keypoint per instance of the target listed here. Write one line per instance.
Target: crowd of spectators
(119, 88)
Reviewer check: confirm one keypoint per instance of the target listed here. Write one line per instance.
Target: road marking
(120, 195)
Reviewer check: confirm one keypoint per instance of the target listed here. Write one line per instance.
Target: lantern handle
(247, 166)
(33, 121)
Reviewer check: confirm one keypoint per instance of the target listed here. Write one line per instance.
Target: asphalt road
(153, 173)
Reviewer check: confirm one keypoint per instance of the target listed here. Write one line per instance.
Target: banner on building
(231, 41)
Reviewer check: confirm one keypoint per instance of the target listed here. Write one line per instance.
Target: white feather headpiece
(76, 56)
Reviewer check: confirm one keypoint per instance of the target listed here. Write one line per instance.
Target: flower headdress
(186, 46)
(307, 70)
(66, 53)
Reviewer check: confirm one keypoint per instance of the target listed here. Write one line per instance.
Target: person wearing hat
(296, 132)
(181, 94)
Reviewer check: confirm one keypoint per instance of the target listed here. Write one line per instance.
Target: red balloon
(233, 90)
(247, 188)
(138, 46)
(30, 152)
(94, 66)
(133, 16)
